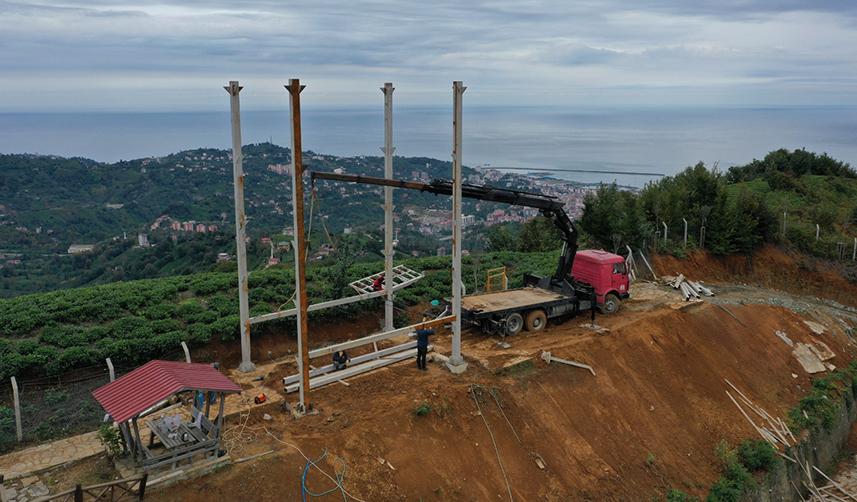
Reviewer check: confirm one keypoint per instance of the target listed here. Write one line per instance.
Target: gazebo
(146, 391)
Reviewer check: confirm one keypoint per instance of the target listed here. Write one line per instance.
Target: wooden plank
(511, 298)
(377, 337)
(354, 360)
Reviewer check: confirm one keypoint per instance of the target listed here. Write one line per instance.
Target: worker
(378, 283)
(340, 360)
(422, 344)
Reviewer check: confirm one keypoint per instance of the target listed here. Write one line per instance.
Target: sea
(623, 140)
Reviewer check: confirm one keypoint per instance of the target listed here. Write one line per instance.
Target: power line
(532, 170)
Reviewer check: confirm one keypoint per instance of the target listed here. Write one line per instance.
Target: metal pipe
(388, 204)
(456, 362)
(240, 227)
(295, 89)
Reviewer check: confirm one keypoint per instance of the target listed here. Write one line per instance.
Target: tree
(539, 234)
(501, 238)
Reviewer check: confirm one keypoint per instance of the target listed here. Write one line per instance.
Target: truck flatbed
(499, 301)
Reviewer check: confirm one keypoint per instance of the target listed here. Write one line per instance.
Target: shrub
(675, 495)
(422, 410)
(110, 439)
(757, 455)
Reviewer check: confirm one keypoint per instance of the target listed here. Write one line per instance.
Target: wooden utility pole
(295, 89)
(240, 227)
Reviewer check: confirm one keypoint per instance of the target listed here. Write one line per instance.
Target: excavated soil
(769, 267)
(647, 421)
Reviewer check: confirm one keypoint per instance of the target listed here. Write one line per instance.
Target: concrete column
(685, 231)
(456, 362)
(665, 231)
(186, 352)
(302, 300)
(388, 150)
(240, 227)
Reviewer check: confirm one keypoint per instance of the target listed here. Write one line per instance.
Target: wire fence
(56, 407)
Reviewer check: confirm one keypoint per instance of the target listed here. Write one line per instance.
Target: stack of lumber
(689, 289)
(775, 431)
(772, 429)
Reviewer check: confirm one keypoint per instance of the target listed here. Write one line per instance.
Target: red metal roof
(134, 393)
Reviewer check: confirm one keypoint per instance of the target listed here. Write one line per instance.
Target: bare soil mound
(647, 421)
(769, 267)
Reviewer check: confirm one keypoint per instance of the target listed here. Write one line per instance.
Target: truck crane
(582, 281)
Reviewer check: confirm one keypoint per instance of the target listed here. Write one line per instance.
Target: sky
(105, 55)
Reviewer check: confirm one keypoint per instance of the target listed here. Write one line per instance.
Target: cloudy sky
(176, 55)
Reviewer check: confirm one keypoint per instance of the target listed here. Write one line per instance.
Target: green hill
(132, 322)
(739, 210)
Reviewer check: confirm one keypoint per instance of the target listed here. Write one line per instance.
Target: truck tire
(514, 324)
(611, 304)
(536, 320)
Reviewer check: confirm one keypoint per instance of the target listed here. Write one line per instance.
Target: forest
(735, 211)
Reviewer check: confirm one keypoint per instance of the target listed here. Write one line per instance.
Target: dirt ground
(646, 422)
(770, 267)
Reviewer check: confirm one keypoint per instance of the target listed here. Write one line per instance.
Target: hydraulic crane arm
(548, 206)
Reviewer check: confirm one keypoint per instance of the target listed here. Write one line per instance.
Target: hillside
(52, 202)
(736, 212)
(131, 322)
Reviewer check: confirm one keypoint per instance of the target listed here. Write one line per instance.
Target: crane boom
(549, 206)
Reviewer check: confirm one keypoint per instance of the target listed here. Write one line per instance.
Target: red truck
(581, 281)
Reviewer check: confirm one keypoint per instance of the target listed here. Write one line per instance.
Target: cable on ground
(473, 389)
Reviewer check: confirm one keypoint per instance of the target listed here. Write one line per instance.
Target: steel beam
(316, 306)
(377, 337)
(295, 89)
(388, 204)
(240, 227)
(456, 362)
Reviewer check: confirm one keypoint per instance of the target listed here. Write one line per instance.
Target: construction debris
(784, 337)
(775, 432)
(549, 359)
(815, 327)
(601, 330)
(689, 289)
(808, 359)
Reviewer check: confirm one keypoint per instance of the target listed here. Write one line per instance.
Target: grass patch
(422, 410)
(820, 406)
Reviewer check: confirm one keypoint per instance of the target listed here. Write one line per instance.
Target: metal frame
(302, 303)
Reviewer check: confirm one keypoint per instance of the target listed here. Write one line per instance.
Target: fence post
(785, 216)
(666, 229)
(854, 254)
(186, 352)
(16, 402)
(685, 231)
(817, 231)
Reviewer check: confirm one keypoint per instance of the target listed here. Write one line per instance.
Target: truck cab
(606, 273)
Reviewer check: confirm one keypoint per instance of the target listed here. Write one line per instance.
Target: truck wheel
(611, 304)
(514, 324)
(536, 320)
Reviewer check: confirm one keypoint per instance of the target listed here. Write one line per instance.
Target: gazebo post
(207, 405)
(220, 418)
(139, 439)
(126, 435)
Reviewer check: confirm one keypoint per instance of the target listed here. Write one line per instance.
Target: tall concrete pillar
(456, 363)
(388, 205)
(240, 227)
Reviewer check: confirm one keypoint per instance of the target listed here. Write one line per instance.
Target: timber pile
(775, 431)
(689, 289)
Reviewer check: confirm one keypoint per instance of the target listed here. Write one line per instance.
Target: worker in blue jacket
(422, 344)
